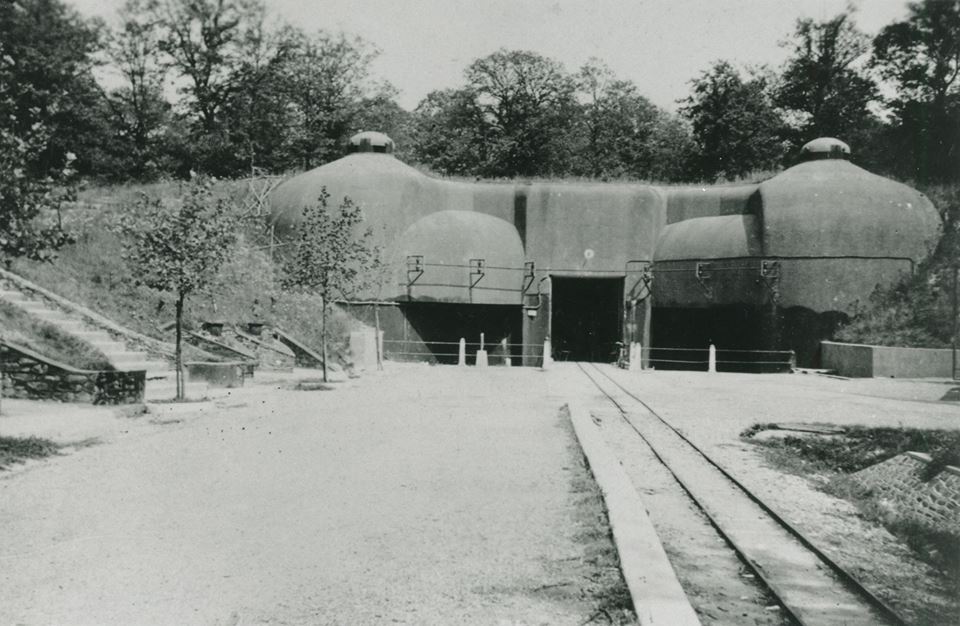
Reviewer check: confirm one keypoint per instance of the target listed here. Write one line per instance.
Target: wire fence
(745, 360)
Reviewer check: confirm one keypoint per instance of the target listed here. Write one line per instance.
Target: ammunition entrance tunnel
(754, 269)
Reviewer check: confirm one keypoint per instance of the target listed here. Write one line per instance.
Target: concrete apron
(657, 595)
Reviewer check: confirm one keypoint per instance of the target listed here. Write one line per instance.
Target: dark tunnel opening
(435, 328)
(681, 338)
(586, 318)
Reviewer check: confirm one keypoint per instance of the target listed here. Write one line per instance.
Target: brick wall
(899, 483)
(29, 375)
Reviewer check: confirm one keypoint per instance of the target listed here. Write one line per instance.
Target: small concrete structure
(217, 374)
(866, 361)
(364, 348)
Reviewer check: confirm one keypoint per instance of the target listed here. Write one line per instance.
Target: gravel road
(422, 495)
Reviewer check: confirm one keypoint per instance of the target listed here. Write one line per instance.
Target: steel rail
(846, 577)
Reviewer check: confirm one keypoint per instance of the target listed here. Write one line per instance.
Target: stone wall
(27, 374)
(898, 483)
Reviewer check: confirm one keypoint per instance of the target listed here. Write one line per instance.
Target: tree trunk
(376, 338)
(179, 351)
(323, 337)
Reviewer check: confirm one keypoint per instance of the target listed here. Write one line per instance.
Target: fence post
(793, 360)
(462, 355)
(712, 360)
(636, 356)
(481, 354)
(505, 350)
(547, 358)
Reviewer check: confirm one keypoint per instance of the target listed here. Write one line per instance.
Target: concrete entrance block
(363, 348)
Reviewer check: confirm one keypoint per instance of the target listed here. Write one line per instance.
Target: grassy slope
(916, 312)
(837, 457)
(91, 272)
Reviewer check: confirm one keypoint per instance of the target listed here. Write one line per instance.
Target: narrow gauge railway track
(808, 584)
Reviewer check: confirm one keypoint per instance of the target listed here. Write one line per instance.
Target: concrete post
(547, 354)
(636, 357)
(481, 358)
(712, 363)
(505, 350)
(462, 355)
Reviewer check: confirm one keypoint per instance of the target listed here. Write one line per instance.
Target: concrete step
(108, 346)
(50, 314)
(12, 295)
(154, 369)
(91, 336)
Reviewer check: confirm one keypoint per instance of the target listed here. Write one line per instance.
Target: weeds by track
(808, 584)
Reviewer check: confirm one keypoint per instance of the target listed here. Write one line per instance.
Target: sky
(659, 44)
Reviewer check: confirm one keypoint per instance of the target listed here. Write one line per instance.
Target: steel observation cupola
(370, 141)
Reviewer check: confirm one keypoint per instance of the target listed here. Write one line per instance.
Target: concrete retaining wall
(865, 361)
(29, 375)
(899, 484)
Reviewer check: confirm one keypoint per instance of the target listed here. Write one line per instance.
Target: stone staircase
(117, 353)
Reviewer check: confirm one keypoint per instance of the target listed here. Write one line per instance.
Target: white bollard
(712, 362)
(547, 353)
(462, 355)
(481, 358)
(636, 356)
(505, 351)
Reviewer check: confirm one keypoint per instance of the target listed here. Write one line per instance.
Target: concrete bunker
(772, 266)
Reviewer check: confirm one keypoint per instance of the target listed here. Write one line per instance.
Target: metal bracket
(476, 272)
(770, 278)
(643, 286)
(703, 274)
(528, 277)
(414, 268)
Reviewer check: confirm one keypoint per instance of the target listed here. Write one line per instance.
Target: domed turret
(824, 148)
(371, 141)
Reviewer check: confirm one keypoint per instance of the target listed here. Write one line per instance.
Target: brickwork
(899, 483)
(29, 375)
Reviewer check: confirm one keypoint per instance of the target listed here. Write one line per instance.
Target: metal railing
(695, 358)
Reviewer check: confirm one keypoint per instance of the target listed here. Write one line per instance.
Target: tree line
(221, 87)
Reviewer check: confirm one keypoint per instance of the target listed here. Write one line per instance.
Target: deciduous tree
(735, 126)
(331, 257)
(823, 85)
(921, 56)
(178, 249)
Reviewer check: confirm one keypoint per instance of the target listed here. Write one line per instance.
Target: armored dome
(824, 148)
(371, 141)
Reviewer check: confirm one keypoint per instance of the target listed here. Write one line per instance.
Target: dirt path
(425, 495)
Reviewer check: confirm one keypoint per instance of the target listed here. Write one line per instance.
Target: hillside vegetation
(91, 271)
(917, 311)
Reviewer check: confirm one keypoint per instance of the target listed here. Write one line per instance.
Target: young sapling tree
(330, 257)
(178, 249)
